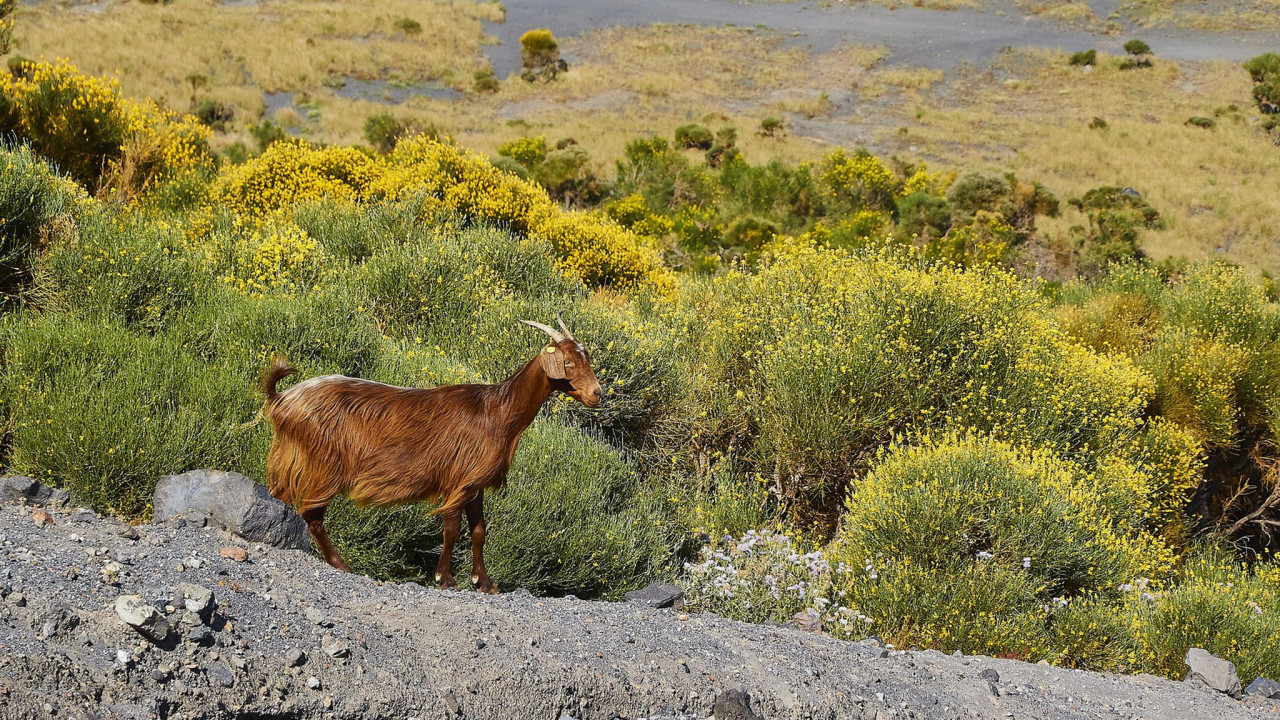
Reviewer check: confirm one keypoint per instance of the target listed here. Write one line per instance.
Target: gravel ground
(293, 638)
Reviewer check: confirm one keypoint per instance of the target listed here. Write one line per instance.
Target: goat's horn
(554, 334)
(563, 329)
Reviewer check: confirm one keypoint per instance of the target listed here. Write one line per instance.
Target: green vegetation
(843, 376)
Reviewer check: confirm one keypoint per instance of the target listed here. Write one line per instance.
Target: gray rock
(313, 682)
(197, 599)
(160, 675)
(1264, 687)
(20, 488)
(806, 620)
(990, 675)
(57, 619)
(143, 617)
(317, 617)
(295, 657)
(221, 674)
(871, 641)
(336, 650)
(1212, 671)
(733, 705)
(658, 595)
(128, 532)
(198, 635)
(234, 501)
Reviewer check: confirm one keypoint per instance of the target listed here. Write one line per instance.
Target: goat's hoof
(486, 586)
(446, 582)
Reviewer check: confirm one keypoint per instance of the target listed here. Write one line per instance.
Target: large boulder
(1213, 672)
(233, 501)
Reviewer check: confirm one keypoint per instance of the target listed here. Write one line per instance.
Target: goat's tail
(277, 370)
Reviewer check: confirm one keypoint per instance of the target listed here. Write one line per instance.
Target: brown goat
(385, 445)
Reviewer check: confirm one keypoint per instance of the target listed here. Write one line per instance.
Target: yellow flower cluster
(587, 246)
(277, 256)
(863, 178)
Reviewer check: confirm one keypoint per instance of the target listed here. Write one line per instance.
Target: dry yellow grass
(1223, 15)
(273, 45)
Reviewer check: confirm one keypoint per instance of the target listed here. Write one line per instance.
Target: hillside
(373, 650)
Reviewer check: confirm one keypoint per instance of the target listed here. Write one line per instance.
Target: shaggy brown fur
(384, 445)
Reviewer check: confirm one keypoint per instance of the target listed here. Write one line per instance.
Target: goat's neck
(523, 395)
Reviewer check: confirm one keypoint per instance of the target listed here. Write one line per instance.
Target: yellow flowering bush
(83, 123)
(588, 246)
(862, 180)
(880, 344)
(1024, 525)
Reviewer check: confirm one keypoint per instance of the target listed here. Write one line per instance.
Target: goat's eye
(568, 363)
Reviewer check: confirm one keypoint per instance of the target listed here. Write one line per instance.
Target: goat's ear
(553, 362)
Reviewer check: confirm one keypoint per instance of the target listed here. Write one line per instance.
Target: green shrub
(1201, 122)
(771, 127)
(123, 270)
(396, 543)
(568, 177)
(1097, 123)
(34, 203)
(1265, 71)
(104, 413)
(1084, 57)
(979, 190)
(923, 214)
(408, 26)
(1137, 47)
(1138, 52)
(694, 136)
(484, 81)
(214, 114)
(265, 133)
(383, 131)
(573, 518)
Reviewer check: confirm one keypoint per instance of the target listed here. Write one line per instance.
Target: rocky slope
(285, 636)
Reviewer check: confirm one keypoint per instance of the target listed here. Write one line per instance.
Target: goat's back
(380, 443)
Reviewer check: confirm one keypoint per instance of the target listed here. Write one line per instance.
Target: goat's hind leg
(444, 570)
(315, 522)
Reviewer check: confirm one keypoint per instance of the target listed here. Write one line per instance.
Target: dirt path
(293, 638)
(915, 36)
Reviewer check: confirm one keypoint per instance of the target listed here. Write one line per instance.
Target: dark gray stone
(1264, 687)
(657, 595)
(1212, 672)
(295, 657)
(221, 674)
(733, 705)
(234, 502)
(990, 675)
(20, 488)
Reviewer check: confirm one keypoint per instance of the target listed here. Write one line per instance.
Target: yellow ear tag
(550, 349)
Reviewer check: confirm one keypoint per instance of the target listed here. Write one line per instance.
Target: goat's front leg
(444, 570)
(315, 522)
(475, 518)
